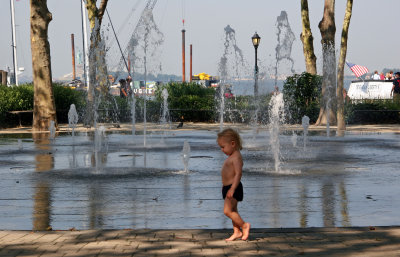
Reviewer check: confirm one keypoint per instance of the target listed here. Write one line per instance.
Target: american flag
(358, 70)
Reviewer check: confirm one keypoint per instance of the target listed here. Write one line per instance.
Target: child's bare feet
(246, 231)
(235, 235)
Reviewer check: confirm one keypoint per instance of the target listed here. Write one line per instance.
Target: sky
(373, 37)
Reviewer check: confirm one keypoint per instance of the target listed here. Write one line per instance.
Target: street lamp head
(256, 40)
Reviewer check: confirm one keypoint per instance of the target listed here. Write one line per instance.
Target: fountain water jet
(144, 48)
(98, 91)
(286, 38)
(231, 67)
(294, 139)
(305, 122)
(133, 114)
(20, 146)
(276, 116)
(329, 85)
(72, 118)
(52, 130)
(186, 155)
(165, 119)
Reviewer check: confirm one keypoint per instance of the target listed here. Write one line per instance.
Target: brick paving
(360, 241)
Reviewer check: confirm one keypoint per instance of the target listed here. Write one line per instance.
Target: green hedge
(20, 98)
(373, 112)
(192, 101)
(301, 94)
(197, 103)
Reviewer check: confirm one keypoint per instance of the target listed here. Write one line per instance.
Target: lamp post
(256, 41)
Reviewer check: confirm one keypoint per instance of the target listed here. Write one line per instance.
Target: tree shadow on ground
(364, 241)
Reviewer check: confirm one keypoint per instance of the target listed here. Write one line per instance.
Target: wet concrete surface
(66, 183)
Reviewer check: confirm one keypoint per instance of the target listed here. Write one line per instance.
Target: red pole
(191, 56)
(73, 57)
(183, 56)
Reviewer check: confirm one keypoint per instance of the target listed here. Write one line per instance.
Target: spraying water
(186, 155)
(144, 50)
(231, 67)
(276, 116)
(98, 93)
(329, 83)
(20, 146)
(328, 131)
(232, 64)
(294, 139)
(100, 146)
(72, 121)
(305, 122)
(221, 106)
(286, 38)
(165, 119)
(72, 118)
(133, 114)
(52, 130)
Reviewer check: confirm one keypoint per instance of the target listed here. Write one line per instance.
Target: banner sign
(375, 89)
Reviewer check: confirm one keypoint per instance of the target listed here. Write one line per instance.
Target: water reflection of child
(232, 190)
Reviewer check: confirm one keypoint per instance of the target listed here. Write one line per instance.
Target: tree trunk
(341, 124)
(44, 109)
(328, 29)
(307, 39)
(96, 57)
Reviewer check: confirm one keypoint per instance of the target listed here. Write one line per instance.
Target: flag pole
(14, 42)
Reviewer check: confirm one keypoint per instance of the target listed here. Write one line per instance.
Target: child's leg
(230, 210)
(246, 231)
(237, 233)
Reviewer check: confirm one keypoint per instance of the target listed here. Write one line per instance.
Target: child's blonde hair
(231, 135)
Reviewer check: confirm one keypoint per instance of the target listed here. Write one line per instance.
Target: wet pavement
(66, 182)
(120, 198)
(364, 241)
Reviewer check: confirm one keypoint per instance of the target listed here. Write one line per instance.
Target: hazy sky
(373, 38)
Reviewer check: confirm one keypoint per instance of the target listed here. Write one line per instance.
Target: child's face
(227, 146)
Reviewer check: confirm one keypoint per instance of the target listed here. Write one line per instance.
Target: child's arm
(237, 168)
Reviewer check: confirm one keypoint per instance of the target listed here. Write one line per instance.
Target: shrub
(373, 112)
(20, 98)
(301, 94)
(15, 98)
(190, 100)
(64, 97)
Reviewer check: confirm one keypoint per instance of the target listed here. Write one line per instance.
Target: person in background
(122, 88)
(396, 88)
(376, 76)
(391, 77)
(129, 85)
(382, 76)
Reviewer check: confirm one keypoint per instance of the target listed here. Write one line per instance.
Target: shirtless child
(232, 190)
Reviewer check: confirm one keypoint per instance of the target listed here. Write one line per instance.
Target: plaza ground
(350, 241)
(362, 241)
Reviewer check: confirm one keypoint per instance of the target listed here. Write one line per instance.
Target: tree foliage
(302, 94)
(190, 100)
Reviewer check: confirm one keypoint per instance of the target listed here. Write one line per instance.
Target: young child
(232, 190)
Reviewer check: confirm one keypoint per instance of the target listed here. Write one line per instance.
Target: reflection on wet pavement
(63, 183)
